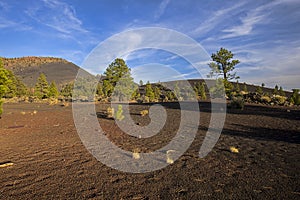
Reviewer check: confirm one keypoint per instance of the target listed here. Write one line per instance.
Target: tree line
(117, 84)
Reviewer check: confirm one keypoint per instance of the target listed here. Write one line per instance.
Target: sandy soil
(50, 162)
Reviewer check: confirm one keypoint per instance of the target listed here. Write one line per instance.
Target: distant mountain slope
(29, 68)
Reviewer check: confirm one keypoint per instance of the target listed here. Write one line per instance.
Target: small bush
(65, 104)
(110, 112)
(237, 102)
(279, 99)
(119, 114)
(1, 109)
(144, 113)
(266, 99)
(52, 101)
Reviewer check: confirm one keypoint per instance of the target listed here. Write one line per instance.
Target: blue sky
(263, 35)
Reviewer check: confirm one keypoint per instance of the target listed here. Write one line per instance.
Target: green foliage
(84, 88)
(157, 92)
(295, 98)
(187, 93)
(4, 81)
(177, 92)
(223, 64)
(245, 89)
(10, 85)
(218, 90)
(202, 92)
(41, 87)
(67, 90)
(149, 92)
(1, 107)
(119, 114)
(258, 90)
(53, 91)
(141, 82)
(170, 96)
(281, 92)
(16, 87)
(237, 102)
(119, 81)
(99, 90)
(276, 91)
(199, 89)
(237, 87)
(228, 87)
(110, 112)
(125, 88)
(107, 88)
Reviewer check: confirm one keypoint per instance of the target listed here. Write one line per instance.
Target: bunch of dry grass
(110, 112)
(144, 113)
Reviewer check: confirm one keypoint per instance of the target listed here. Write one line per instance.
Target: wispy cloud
(4, 6)
(216, 18)
(19, 26)
(254, 17)
(57, 15)
(161, 9)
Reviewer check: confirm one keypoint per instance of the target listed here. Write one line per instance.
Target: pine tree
(237, 87)
(259, 90)
(157, 92)
(41, 87)
(99, 90)
(275, 91)
(125, 88)
(177, 92)
(53, 91)
(202, 93)
(67, 90)
(295, 98)
(119, 114)
(245, 89)
(149, 92)
(281, 92)
(4, 81)
(141, 82)
(119, 81)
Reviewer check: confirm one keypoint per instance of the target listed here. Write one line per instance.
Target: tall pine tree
(41, 87)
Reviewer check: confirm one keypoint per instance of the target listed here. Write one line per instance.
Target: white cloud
(256, 16)
(212, 21)
(161, 10)
(57, 15)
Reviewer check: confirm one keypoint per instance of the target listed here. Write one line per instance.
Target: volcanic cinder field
(42, 156)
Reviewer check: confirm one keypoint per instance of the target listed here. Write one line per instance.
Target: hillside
(29, 68)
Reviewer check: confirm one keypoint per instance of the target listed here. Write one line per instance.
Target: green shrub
(119, 114)
(266, 99)
(237, 102)
(278, 99)
(110, 112)
(144, 112)
(295, 98)
(1, 109)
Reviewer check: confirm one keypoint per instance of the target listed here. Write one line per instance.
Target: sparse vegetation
(110, 112)
(144, 113)
(295, 98)
(237, 102)
(41, 89)
(119, 114)
(223, 64)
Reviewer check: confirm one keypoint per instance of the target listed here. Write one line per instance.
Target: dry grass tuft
(144, 113)
(234, 150)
